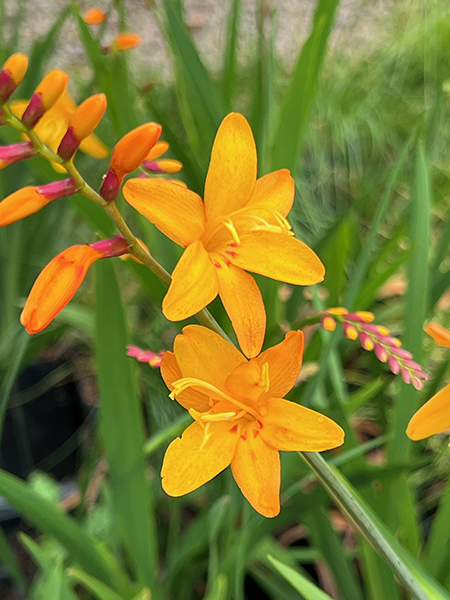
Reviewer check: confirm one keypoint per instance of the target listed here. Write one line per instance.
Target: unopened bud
(350, 331)
(47, 93)
(394, 365)
(366, 341)
(11, 75)
(111, 247)
(166, 165)
(381, 353)
(15, 153)
(82, 123)
(126, 41)
(328, 323)
(94, 16)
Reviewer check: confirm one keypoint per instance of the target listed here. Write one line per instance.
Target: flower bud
(126, 41)
(394, 365)
(146, 356)
(366, 341)
(381, 353)
(45, 96)
(338, 311)
(440, 334)
(94, 16)
(31, 199)
(11, 75)
(158, 150)
(82, 123)
(15, 153)
(166, 165)
(60, 279)
(350, 331)
(328, 323)
(128, 154)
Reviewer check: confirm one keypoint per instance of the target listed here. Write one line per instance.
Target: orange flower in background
(240, 227)
(165, 165)
(126, 41)
(241, 418)
(434, 416)
(53, 126)
(94, 16)
(61, 278)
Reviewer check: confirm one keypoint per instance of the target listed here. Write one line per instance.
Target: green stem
(348, 502)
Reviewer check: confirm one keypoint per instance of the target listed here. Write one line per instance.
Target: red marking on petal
(233, 245)
(255, 433)
(231, 253)
(260, 424)
(234, 429)
(244, 436)
(217, 264)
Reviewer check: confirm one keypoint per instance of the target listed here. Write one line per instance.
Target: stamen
(197, 416)
(182, 384)
(225, 416)
(265, 382)
(232, 229)
(206, 437)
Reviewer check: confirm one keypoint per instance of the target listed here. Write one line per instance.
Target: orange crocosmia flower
(241, 226)
(241, 418)
(127, 41)
(53, 125)
(434, 416)
(94, 16)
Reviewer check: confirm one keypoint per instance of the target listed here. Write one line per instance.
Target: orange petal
(256, 469)
(232, 170)
(433, 417)
(176, 211)
(158, 150)
(289, 426)
(126, 41)
(186, 467)
(245, 380)
(52, 87)
(16, 65)
(20, 204)
(244, 305)
(87, 116)
(205, 355)
(440, 334)
(56, 285)
(285, 362)
(94, 147)
(194, 284)
(278, 256)
(189, 398)
(274, 191)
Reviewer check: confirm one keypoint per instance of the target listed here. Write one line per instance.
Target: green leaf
(299, 582)
(121, 428)
(96, 587)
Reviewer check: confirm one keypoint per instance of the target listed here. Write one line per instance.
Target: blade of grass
(230, 53)
(121, 420)
(96, 587)
(299, 582)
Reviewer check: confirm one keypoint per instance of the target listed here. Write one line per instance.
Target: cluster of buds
(359, 325)
(146, 356)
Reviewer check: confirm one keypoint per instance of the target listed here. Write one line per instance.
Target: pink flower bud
(417, 383)
(115, 246)
(354, 317)
(350, 331)
(34, 111)
(406, 376)
(403, 353)
(145, 356)
(394, 365)
(381, 353)
(377, 329)
(392, 341)
(58, 189)
(15, 153)
(366, 341)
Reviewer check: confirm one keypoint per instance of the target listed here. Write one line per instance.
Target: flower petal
(285, 362)
(189, 398)
(433, 417)
(256, 469)
(186, 467)
(194, 284)
(278, 256)
(176, 211)
(275, 191)
(244, 305)
(440, 334)
(94, 147)
(205, 355)
(232, 170)
(289, 426)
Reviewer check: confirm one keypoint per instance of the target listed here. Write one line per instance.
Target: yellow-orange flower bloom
(127, 41)
(240, 227)
(94, 16)
(53, 125)
(434, 416)
(241, 418)
(60, 279)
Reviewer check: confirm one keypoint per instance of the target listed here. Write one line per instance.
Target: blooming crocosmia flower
(434, 416)
(240, 227)
(47, 93)
(12, 73)
(53, 125)
(146, 356)
(241, 418)
(31, 199)
(126, 41)
(128, 154)
(15, 153)
(94, 16)
(60, 279)
(82, 123)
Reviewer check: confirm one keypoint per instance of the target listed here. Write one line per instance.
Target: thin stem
(352, 506)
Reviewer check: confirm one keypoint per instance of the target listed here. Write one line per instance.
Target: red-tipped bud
(11, 75)
(126, 41)
(162, 166)
(94, 16)
(128, 154)
(15, 153)
(47, 93)
(61, 278)
(82, 123)
(31, 199)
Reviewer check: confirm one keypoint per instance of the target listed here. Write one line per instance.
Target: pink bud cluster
(146, 356)
(387, 349)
